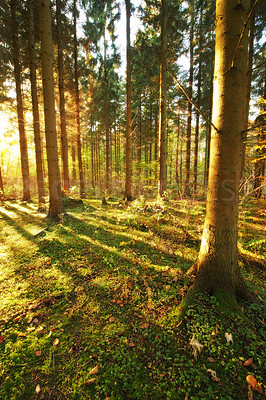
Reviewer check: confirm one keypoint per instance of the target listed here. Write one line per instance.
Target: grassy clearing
(89, 306)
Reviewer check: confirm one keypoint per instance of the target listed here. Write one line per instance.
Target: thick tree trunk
(217, 264)
(128, 184)
(81, 177)
(1, 184)
(61, 87)
(55, 193)
(162, 102)
(20, 113)
(35, 107)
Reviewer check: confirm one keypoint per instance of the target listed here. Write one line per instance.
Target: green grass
(106, 281)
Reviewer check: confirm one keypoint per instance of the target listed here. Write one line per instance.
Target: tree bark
(217, 264)
(128, 183)
(61, 87)
(35, 107)
(190, 83)
(20, 113)
(162, 102)
(1, 184)
(81, 177)
(55, 193)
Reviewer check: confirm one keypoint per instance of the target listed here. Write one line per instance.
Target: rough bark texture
(19, 98)
(128, 184)
(55, 193)
(61, 87)
(217, 265)
(35, 107)
(162, 102)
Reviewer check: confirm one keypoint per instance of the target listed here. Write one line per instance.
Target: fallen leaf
(94, 370)
(35, 321)
(252, 381)
(131, 344)
(40, 330)
(17, 318)
(258, 388)
(38, 353)
(38, 389)
(213, 375)
(55, 342)
(89, 381)
(2, 339)
(22, 334)
(29, 320)
(70, 351)
(212, 360)
(248, 362)
(111, 319)
(228, 337)
(49, 334)
(196, 346)
(145, 325)
(31, 329)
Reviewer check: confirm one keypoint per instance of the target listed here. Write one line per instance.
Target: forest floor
(89, 305)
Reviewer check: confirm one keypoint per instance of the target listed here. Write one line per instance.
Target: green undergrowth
(89, 306)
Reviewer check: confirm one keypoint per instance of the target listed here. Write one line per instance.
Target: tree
(162, 106)
(216, 268)
(61, 87)
(55, 192)
(35, 106)
(20, 112)
(76, 79)
(128, 194)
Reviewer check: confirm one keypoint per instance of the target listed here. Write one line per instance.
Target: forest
(132, 199)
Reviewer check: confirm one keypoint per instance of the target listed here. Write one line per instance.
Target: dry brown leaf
(38, 389)
(258, 388)
(131, 344)
(2, 339)
(196, 346)
(70, 351)
(55, 342)
(38, 353)
(248, 362)
(94, 370)
(31, 329)
(22, 334)
(89, 381)
(252, 381)
(213, 375)
(111, 319)
(145, 325)
(212, 360)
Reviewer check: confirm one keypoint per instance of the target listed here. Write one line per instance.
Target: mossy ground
(106, 282)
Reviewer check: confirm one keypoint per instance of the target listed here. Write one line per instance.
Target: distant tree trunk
(189, 119)
(106, 123)
(248, 89)
(177, 151)
(1, 184)
(55, 193)
(162, 104)
(196, 148)
(61, 87)
(81, 178)
(139, 145)
(35, 107)
(259, 168)
(20, 112)
(208, 137)
(217, 269)
(128, 183)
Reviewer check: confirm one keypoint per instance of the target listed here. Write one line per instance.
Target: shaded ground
(88, 306)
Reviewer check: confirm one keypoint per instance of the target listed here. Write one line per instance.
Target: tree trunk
(1, 184)
(248, 88)
(162, 102)
(217, 267)
(21, 123)
(196, 148)
(35, 107)
(61, 87)
(55, 193)
(81, 178)
(128, 194)
(189, 118)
